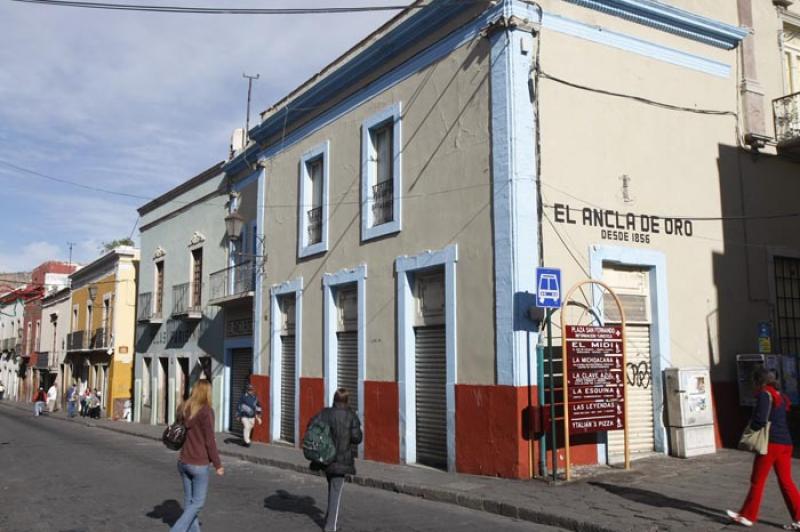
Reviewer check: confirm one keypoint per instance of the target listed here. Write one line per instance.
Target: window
(381, 177)
(791, 58)
(159, 302)
(74, 324)
(312, 214)
(197, 277)
(787, 305)
(38, 335)
(28, 339)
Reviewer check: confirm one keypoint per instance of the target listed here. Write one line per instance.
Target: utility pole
(70, 244)
(249, 92)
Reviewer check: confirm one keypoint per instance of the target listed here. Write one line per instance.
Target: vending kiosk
(690, 419)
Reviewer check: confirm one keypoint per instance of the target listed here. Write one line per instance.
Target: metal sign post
(593, 377)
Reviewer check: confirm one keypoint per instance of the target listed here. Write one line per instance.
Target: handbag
(757, 441)
(174, 436)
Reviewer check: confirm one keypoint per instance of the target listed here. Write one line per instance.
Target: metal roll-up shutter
(287, 388)
(638, 387)
(240, 373)
(431, 398)
(347, 365)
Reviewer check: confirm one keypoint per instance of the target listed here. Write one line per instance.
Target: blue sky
(135, 102)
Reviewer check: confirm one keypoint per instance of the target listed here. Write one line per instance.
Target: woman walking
(771, 407)
(346, 433)
(199, 449)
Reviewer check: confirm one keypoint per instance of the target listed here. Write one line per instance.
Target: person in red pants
(771, 406)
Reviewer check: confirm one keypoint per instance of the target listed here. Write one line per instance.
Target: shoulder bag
(757, 441)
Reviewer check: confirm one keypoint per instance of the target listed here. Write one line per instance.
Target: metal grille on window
(314, 169)
(347, 343)
(787, 305)
(287, 388)
(197, 277)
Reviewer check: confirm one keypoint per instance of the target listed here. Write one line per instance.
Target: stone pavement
(660, 493)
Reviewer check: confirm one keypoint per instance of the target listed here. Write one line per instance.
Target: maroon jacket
(40, 396)
(200, 447)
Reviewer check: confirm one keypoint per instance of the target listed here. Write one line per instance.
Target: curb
(468, 501)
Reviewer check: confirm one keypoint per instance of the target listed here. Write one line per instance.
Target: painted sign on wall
(595, 378)
(622, 226)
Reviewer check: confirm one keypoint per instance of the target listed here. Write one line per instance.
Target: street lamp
(233, 225)
(92, 292)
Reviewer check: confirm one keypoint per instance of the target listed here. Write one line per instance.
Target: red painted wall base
(312, 392)
(381, 422)
(261, 384)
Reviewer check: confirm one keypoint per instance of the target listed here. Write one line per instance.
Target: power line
(223, 11)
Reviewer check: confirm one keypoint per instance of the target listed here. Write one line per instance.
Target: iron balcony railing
(100, 339)
(314, 225)
(76, 340)
(187, 300)
(238, 280)
(786, 112)
(383, 202)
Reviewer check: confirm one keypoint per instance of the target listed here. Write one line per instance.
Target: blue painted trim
(246, 181)
(406, 378)
(258, 304)
(330, 282)
(671, 20)
(294, 286)
(515, 218)
(392, 114)
(274, 125)
(659, 335)
(636, 45)
(306, 201)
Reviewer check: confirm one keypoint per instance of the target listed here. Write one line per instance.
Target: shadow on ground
(168, 512)
(283, 501)
(659, 500)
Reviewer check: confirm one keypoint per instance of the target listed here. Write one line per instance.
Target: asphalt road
(70, 477)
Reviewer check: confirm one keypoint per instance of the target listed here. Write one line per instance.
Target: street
(72, 477)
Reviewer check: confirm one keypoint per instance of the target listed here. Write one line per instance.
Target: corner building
(405, 195)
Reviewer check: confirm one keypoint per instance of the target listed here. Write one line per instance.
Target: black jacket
(346, 431)
(776, 409)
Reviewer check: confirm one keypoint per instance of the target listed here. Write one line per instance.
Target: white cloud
(30, 256)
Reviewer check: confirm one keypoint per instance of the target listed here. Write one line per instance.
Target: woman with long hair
(771, 407)
(199, 449)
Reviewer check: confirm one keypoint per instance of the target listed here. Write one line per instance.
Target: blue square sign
(548, 287)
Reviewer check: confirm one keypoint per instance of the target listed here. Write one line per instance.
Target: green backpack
(318, 444)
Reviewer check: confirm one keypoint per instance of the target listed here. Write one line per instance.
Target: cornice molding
(671, 20)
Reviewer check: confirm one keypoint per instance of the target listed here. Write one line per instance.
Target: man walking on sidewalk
(72, 400)
(249, 412)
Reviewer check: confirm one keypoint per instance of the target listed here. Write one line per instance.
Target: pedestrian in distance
(39, 400)
(72, 400)
(346, 432)
(85, 402)
(770, 410)
(199, 449)
(248, 412)
(94, 404)
(52, 397)
(2, 391)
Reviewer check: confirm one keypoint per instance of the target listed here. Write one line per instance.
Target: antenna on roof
(70, 244)
(249, 92)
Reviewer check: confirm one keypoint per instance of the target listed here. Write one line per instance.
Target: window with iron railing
(786, 112)
(233, 281)
(383, 202)
(197, 277)
(314, 225)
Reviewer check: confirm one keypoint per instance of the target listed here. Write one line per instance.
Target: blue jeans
(195, 488)
(71, 407)
(38, 407)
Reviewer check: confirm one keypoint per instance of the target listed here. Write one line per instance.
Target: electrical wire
(224, 11)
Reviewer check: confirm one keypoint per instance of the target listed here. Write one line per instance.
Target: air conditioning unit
(238, 141)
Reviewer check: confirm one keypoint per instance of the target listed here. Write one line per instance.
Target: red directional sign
(595, 378)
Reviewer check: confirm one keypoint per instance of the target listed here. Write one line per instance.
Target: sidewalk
(659, 494)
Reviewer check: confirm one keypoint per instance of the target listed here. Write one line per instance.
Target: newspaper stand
(603, 375)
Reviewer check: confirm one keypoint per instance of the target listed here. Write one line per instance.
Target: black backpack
(174, 435)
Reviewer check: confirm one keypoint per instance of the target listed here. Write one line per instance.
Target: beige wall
(446, 193)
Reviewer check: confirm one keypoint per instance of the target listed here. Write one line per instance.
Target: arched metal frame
(564, 304)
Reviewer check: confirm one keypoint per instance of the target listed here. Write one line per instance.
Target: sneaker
(794, 525)
(739, 518)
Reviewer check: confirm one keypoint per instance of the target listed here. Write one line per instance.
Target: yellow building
(100, 344)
